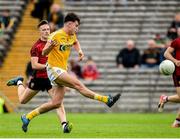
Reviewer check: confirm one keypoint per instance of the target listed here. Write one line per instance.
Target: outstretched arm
(168, 55)
(48, 47)
(79, 50)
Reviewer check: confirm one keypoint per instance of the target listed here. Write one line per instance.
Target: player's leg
(67, 127)
(69, 81)
(164, 99)
(24, 94)
(53, 104)
(176, 122)
(174, 98)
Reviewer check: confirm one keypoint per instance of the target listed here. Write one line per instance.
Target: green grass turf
(93, 126)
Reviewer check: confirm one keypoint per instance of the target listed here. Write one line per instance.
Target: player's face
(44, 31)
(74, 27)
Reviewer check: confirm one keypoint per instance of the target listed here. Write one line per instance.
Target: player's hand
(177, 63)
(81, 55)
(54, 43)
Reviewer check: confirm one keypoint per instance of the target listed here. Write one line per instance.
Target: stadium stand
(15, 9)
(15, 61)
(106, 26)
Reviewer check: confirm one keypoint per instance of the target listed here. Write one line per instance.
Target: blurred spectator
(56, 16)
(6, 20)
(128, 57)
(161, 44)
(75, 68)
(3, 44)
(2, 54)
(52, 27)
(178, 32)
(162, 50)
(151, 56)
(159, 40)
(41, 9)
(90, 71)
(1, 27)
(172, 31)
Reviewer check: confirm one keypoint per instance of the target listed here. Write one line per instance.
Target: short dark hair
(42, 22)
(72, 17)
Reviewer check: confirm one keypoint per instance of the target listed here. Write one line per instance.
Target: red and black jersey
(176, 45)
(36, 51)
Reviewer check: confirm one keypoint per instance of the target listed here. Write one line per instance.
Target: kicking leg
(69, 81)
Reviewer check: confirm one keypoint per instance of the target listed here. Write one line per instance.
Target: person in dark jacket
(128, 57)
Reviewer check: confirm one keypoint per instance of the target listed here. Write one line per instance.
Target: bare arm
(168, 55)
(36, 65)
(48, 47)
(79, 50)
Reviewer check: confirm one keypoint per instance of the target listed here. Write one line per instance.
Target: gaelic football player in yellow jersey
(58, 55)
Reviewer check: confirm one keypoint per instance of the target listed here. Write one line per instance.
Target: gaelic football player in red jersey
(40, 82)
(173, 53)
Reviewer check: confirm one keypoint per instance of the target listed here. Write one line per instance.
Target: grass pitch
(92, 126)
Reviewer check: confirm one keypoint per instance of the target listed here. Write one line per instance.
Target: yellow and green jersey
(58, 57)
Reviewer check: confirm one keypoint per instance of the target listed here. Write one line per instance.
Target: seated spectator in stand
(56, 16)
(162, 50)
(1, 27)
(128, 57)
(159, 40)
(52, 27)
(172, 31)
(1, 33)
(90, 71)
(6, 20)
(151, 56)
(41, 8)
(2, 54)
(3, 43)
(161, 44)
(75, 68)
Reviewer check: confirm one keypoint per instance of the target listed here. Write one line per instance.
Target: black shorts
(176, 79)
(40, 84)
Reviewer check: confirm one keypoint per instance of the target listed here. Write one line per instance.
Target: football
(167, 67)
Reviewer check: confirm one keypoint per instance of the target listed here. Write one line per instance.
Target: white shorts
(53, 73)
